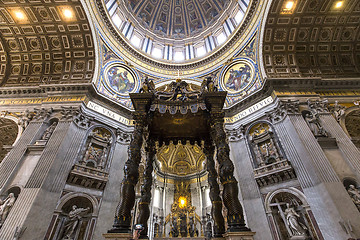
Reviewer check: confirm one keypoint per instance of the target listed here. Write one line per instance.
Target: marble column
(320, 184)
(145, 199)
(235, 216)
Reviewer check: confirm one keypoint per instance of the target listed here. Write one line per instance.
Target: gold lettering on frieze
(106, 112)
(254, 108)
(43, 100)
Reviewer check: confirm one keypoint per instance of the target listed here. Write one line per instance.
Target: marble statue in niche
(72, 224)
(292, 220)
(355, 195)
(5, 207)
(48, 132)
(313, 121)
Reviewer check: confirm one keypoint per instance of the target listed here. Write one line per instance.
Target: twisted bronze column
(216, 202)
(235, 217)
(122, 223)
(143, 206)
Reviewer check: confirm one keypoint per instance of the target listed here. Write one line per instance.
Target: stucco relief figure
(355, 195)
(72, 223)
(314, 125)
(49, 131)
(5, 207)
(292, 220)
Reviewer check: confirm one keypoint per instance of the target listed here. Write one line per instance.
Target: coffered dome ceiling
(45, 42)
(177, 19)
(316, 39)
(176, 31)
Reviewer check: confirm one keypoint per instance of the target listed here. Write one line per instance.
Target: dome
(176, 31)
(177, 19)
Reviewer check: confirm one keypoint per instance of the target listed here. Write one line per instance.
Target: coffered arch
(314, 39)
(45, 42)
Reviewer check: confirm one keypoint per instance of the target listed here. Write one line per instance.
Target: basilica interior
(198, 119)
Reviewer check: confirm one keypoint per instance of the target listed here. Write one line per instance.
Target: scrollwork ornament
(24, 118)
(42, 113)
(123, 137)
(236, 134)
(282, 110)
(82, 120)
(67, 113)
(318, 106)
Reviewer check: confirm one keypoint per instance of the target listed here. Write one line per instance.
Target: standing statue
(72, 223)
(48, 132)
(292, 220)
(314, 125)
(5, 206)
(147, 86)
(338, 111)
(355, 195)
(208, 85)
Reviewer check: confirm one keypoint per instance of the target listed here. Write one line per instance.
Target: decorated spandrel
(120, 79)
(238, 77)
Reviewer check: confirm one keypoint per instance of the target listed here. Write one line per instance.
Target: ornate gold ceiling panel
(181, 159)
(45, 42)
(314, 39)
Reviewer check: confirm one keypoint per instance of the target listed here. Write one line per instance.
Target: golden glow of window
(19, 15)
(288, 7)
(339, 4)
(182, 202)
(67, 13)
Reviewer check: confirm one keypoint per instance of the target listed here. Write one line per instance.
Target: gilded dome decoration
(175, 31)
(181, 159)
(177, 19)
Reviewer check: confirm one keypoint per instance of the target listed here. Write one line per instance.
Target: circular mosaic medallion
(238, 76)
(120, 79)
